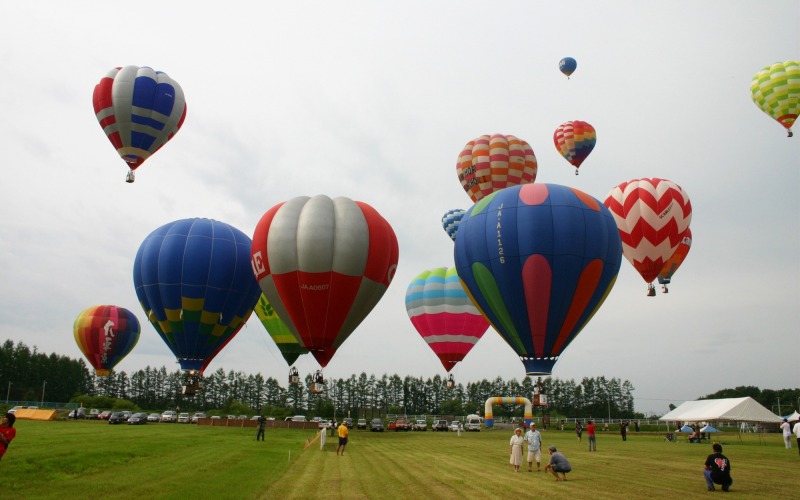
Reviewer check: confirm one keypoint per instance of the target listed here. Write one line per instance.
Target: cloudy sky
(374, 101)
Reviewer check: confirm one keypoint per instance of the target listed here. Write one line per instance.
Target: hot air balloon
(323, 264)
(776, 91)
(567, 66)
(287, 343)
(674, 262)
(538, 260)
(575, 140)
(450, 221)
(652, 215)
(106, 334)
(194, 282)
(140, 110)
(444, 315)
(490, 163)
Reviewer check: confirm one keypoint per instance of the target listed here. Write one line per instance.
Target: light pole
(8, 393)
(609, 411)
(43, 386)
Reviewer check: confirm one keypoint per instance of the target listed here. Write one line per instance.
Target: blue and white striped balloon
(450, 221)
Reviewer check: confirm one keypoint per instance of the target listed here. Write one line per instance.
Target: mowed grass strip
(53, 459)
(445, 465)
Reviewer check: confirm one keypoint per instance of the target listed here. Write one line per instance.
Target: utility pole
(43, 386)
(9, 393)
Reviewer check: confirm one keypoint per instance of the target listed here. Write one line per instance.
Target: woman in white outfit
(515, 448)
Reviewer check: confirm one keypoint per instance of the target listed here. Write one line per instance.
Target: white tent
(732, 409)
(793, 417)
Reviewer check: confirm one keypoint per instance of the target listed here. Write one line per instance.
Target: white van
(299, 418)
(473, 423)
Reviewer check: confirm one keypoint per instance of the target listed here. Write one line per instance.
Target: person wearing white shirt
(787, 433)
(534, 440)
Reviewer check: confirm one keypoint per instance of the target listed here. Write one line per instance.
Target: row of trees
(27, 370)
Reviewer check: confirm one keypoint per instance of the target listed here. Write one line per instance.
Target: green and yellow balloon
(776, 91)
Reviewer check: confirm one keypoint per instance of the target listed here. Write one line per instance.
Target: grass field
(85, 459)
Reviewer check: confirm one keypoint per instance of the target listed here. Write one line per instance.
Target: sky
(374, 101)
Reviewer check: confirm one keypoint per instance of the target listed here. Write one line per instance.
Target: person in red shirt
(7, 432)
(590, 428)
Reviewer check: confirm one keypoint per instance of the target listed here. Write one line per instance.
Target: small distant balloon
(575, 140)
(567, 66)
(776, 91)
(450, 221)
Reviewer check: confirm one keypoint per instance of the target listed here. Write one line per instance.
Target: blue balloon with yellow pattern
(194, 281)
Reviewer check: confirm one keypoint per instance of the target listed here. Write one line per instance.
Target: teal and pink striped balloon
(444, 315)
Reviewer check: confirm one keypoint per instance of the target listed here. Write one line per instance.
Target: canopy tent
(744, 409)
(793, 417)
(708, 428)
(686, 428)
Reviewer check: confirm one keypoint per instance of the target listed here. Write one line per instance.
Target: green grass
(91, 459)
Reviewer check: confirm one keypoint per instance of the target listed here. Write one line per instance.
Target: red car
(103, 415)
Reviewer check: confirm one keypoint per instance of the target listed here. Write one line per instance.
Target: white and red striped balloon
(652, 216)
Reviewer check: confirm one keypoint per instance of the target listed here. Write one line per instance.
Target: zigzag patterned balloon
(652, 216)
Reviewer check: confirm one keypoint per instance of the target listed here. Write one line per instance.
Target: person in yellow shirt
(343, 431)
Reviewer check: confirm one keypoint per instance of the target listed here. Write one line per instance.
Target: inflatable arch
(489, 418)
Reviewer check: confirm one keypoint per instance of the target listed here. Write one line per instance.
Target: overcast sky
(374, 101)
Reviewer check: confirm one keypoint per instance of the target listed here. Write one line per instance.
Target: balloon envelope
(194, 282)
(444, 315)
(139, 109)
(323, 264)
(567, 66)
(652, 216)
(450, 221)
(538, 261)
(106, 334)
(490, 163)
(678, 256)
(776, 91)
(575, 140)
(287, 343)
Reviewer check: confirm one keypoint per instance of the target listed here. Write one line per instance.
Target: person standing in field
(7, 432)
(797, 434)
(578, 430)
(515, 449)
(590, 432)
(717, 469)
(623, 430)
(262, 423)
(787, 433)
(534, 440)
(343, 433)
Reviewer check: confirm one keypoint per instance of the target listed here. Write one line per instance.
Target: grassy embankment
(87, 459)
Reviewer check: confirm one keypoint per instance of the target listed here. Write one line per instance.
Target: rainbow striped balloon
(106, 334)
(575, 140)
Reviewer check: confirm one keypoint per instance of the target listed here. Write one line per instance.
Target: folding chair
(670, 436)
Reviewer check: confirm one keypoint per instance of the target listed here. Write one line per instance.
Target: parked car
(139, 418)
(126, 414)
(473, 423)
(348, 422)
(376, 425)
(14, 409)
(103, 415)
(390, 425)
(115, 418)
(325, 424)
(401, 424)
(154, 417)
(439, 425)
(184, 418)
(197, 416)
(362, 423)
(93, 413)
(420, 425)
(455, 425)
(81, 413)
(169, 416)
